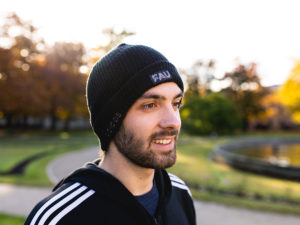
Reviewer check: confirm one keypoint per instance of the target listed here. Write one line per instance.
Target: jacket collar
(107, 185)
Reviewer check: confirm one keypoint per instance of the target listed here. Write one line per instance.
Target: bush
(214, 113)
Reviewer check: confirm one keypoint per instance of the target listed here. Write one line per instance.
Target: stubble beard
(139, 151)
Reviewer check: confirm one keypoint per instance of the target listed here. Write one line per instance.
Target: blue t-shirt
(149, 200)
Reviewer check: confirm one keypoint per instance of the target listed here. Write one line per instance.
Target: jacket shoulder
(56, 206)
(181, 206)
(179, 183)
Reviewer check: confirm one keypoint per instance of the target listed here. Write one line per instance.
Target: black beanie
(118, 79)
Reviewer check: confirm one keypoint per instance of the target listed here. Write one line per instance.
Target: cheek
(142, 126)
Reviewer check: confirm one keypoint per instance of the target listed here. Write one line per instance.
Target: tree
(289, 93)
(114, 38)
(39, 81)
(18, 95)
(64, 83)
(246, 91)
(199, 77)
(209, 114)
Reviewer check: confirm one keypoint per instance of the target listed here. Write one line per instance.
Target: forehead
(167, 90)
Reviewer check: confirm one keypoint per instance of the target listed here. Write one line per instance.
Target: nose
(170, 119)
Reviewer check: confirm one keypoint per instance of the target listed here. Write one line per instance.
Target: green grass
(195, 167)
(20, 146)
(11, 220)
(247, 203)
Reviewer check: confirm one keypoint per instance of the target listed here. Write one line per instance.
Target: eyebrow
(155, 96)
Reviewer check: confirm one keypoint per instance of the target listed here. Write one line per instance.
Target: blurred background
(248, 52)
(240, 61)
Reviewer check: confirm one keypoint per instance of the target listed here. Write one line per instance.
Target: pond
(273, 157)
(282, 155)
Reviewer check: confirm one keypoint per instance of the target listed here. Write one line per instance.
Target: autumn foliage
(289, 93)
(246, 91)
(38, 81)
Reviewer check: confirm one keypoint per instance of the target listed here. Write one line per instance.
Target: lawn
(218, 182)
(11, 220)
(208, 180)
(16, 147)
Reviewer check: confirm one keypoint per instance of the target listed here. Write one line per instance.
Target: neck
(136, 179)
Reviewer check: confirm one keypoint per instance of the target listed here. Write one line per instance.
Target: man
(134, 94)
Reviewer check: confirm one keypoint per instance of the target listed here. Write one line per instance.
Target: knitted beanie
(118, 79)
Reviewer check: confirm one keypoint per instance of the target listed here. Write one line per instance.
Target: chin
(164, 162)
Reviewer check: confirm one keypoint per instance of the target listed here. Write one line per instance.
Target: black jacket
(91, 196)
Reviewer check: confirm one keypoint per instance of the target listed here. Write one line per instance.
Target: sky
(262, 31)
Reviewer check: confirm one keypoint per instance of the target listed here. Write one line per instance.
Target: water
(283, 155)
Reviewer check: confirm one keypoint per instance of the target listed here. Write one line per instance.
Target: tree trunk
(67, 124)
(25, 122)
(53, 121)
(8, 120)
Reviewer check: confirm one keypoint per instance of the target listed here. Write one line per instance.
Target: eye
(149, 106)
(177, 104)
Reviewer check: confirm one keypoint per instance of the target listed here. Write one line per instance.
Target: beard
(139, 151)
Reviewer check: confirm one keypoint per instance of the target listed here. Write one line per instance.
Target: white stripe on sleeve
(182, 186)
(70, 207)
(175, 178)
(61, 203)
(51, 200)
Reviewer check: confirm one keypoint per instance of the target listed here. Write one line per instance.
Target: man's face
(150, 129)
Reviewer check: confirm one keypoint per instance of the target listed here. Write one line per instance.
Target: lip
(164, 146)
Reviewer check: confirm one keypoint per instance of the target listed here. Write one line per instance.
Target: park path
(20, 200)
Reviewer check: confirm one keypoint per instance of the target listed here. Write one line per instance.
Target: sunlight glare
(14, 31)
(24, 52)
(25, 67)
(84, 69)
